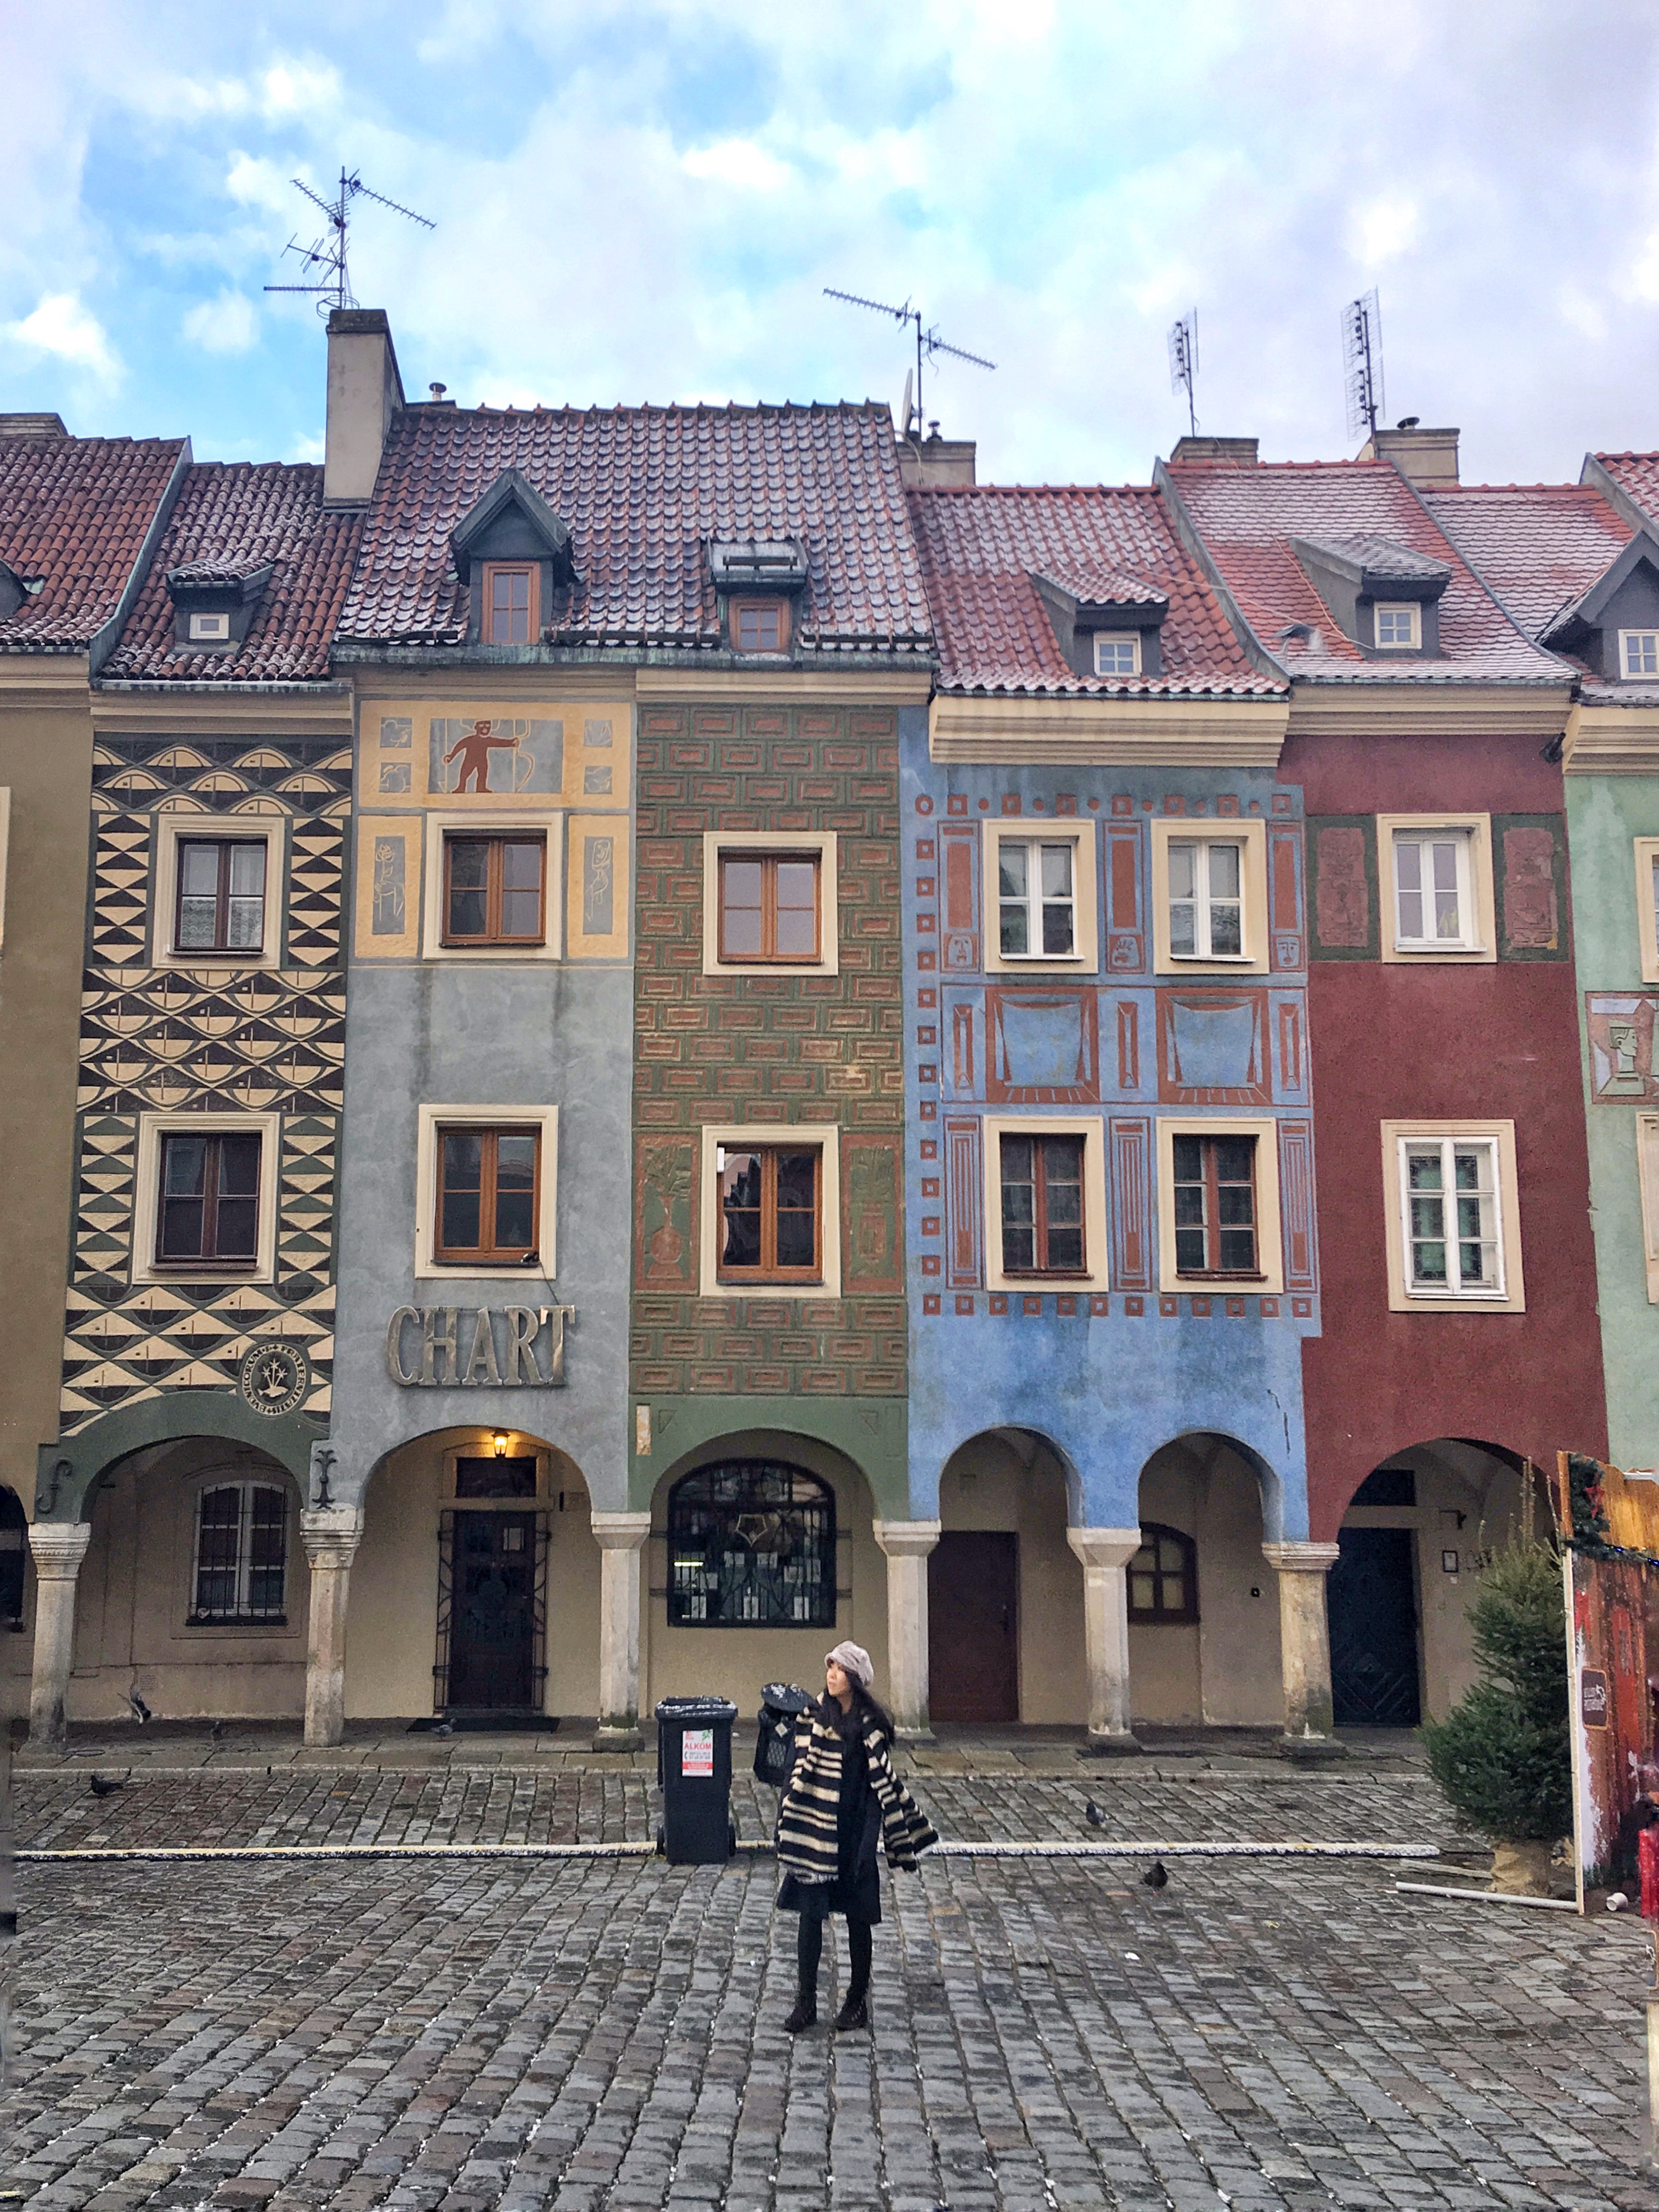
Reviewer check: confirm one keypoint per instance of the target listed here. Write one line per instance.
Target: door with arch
(493, 1607)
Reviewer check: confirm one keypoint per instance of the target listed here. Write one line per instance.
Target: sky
(645, 201)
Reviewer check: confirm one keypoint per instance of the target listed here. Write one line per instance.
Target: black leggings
(809, 1947)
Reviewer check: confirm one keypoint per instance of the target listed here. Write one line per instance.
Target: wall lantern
(500, 1444)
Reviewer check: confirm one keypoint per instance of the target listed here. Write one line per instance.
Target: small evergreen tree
(1502, 1755)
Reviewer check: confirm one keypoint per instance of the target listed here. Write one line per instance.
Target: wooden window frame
(1158, 1615)
(1413, 642)
(219, 948)
(482, 1256)
(1040, 1140)
(1213, 1224)
(751, 604)
(242, 1615)
(769, 1147)
(493, 939)
(172, 1264)
(768, 956)
(492, 569)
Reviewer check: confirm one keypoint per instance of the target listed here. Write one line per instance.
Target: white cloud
(738, 162)
(60, 326)
(1383, 230)
(298, 87)
(229, 324)
(308, 446)
(256, 182)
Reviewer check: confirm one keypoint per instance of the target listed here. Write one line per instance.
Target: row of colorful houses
(638, 1039)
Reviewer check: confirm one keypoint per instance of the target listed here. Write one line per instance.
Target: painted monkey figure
(475, 749)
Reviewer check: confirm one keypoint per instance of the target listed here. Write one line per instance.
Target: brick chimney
(1240, 451)
(1428, 457)
(934, 462)
(365, 397)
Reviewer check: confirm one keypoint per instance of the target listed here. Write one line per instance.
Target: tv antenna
(929, 344)
(325, 259)
(1183, 363)
(1362, 361)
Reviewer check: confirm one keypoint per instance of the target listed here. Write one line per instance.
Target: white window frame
(493, 823)
(5, 841)
(208, 629)
(241, 1620)
(802, 1136)
(1647, 1180)
(1627, 638)
(1084, 958)
(1477, 911)
(1116, 637)
(429, 1122)
(1091, 1129)
(824, 846)
(1250, 834)
(152, 1127)
(1036, 899)
(1413, 641)
(1647, 905)
(1269, 1220)
(176, 827)
(1424, 843)
(1509, 1295)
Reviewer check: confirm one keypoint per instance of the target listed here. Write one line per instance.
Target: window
(1215, 1215)
(14, 1548)
(495, 890)
(1399, 628)
(1647, 906)
(1206, 899)
(1163, 1576)
(769, 907)
(1036, 899)
(241, 1555)
(488, 1195)
(751, 1544)
(1433, 889)
(510, 597)
(210, 1201)
(210, 629)
(769, 1227)
(1647, 1180)
(1117, 654)
(1452, 1217)
(759, 625)
(221, 895)
(1638, 653)
(1042, 1231)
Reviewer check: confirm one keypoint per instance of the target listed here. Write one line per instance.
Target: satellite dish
(910, 399)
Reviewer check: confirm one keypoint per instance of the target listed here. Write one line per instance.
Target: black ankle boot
(804, 2015)
(854, 2013)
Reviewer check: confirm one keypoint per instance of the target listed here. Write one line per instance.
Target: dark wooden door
(492, 1612)
(972, 1626)
(1373, 1616)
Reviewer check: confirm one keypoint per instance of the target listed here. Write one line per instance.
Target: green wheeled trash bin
(694, 1772)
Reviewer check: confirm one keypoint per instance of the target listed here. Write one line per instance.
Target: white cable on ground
(1489, 1896)
(104, 1854)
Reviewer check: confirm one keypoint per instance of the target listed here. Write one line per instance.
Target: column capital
(1105, 1547)
(1302, 1559)
(330, 1533)
(907, 1540)
(58, 1547)
(620, 1532)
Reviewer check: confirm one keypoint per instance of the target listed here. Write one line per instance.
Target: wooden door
(972, 1626)
(1372, 1610)
(492, 1612)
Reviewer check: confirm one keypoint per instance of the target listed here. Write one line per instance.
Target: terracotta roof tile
(981, 547)
(1537, 547)
(1247, 518)
(642, 491)
(231, 518)
(74, 513)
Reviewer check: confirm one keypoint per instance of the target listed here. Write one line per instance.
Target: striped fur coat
(806, 1815)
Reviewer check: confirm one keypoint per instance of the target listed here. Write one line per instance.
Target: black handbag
(781, 1703)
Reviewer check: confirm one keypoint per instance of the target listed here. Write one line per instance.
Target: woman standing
(842, 1791)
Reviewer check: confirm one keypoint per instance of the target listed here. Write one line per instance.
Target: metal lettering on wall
(449, 1356)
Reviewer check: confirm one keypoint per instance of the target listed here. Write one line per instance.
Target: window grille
(751, 1544)
(241, 1555)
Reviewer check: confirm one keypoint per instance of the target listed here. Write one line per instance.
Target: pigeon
(1157, 1875)
(218, 1731)
(1093, 1815)
(445, 1727)
(140, 1712)
(102, 1789)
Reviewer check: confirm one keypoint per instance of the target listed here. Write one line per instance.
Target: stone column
(1305, 1647)
(907, 1544)
(620, 1537)
(1105, 1552)
(331, 1534)
(58, 1547)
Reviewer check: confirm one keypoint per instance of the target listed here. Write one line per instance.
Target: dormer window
(760, 625)
(214, 603)
(1117, 653)
(1398, 626)
(1106, 623)
(510, 597)
(1638, 653)
(513, 554)
(210, 629)
(757, 582)
(1385, 596)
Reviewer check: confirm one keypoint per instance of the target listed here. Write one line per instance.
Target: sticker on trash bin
(697, 1751)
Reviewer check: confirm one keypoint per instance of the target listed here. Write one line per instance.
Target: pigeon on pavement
(445, 1727)
(140, 1712)
(1093, 1815)
(1157, 1875)
(100, 1787)
(218, 1731)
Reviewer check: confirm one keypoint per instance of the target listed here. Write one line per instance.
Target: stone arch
(69, 1470)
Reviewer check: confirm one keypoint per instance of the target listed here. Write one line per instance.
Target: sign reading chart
(697, 1751)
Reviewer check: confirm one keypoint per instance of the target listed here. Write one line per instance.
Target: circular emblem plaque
(274, 1377)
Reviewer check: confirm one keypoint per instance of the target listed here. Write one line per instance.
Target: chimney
(32, 426)
(934, 463)
(1427, 458)
(365, 395)
(1240, 451)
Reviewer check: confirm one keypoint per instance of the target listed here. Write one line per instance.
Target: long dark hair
(865, 1713)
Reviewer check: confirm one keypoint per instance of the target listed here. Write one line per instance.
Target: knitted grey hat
(852, 1659)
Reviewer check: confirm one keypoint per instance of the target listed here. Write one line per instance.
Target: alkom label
(697, 1751)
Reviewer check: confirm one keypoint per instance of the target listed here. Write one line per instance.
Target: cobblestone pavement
(607, 2037)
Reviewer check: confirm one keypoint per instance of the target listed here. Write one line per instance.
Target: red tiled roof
(1636, 474)
(981, 547)
(231, 518)
(1538, 547)
(643, 489)
(1247, 518)
(74, 513)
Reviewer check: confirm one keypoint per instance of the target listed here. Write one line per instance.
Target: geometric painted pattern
(213, 1039)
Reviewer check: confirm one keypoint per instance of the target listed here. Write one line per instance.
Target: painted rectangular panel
(964, 1198)
(1344, 914)
(500, 755)
(386, 905)
(596, 907)
(1042, 1047)
(1621, 1035)
(1284, 896)
(1296, 1199)
(1290, 1050)
(1126, 936)
(1212, 1047)
(1129, 1151)
(872, 1263)
(1128, 1045)
(388, 898)
(439, 751)
(665, 1225)
(959, 848)
(962, 1050)
(1530, 854)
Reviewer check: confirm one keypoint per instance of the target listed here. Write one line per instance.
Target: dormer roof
(512, 488)
(1377, 568)
(1586, 611)
(199, 581)
(1100, 592)
(758, 564)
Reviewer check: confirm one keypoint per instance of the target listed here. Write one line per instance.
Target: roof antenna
(325, 259)
(928, 343)
(1362, 361)
(1183, 363)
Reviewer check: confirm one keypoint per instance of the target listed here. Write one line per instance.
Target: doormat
(486, 1723)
